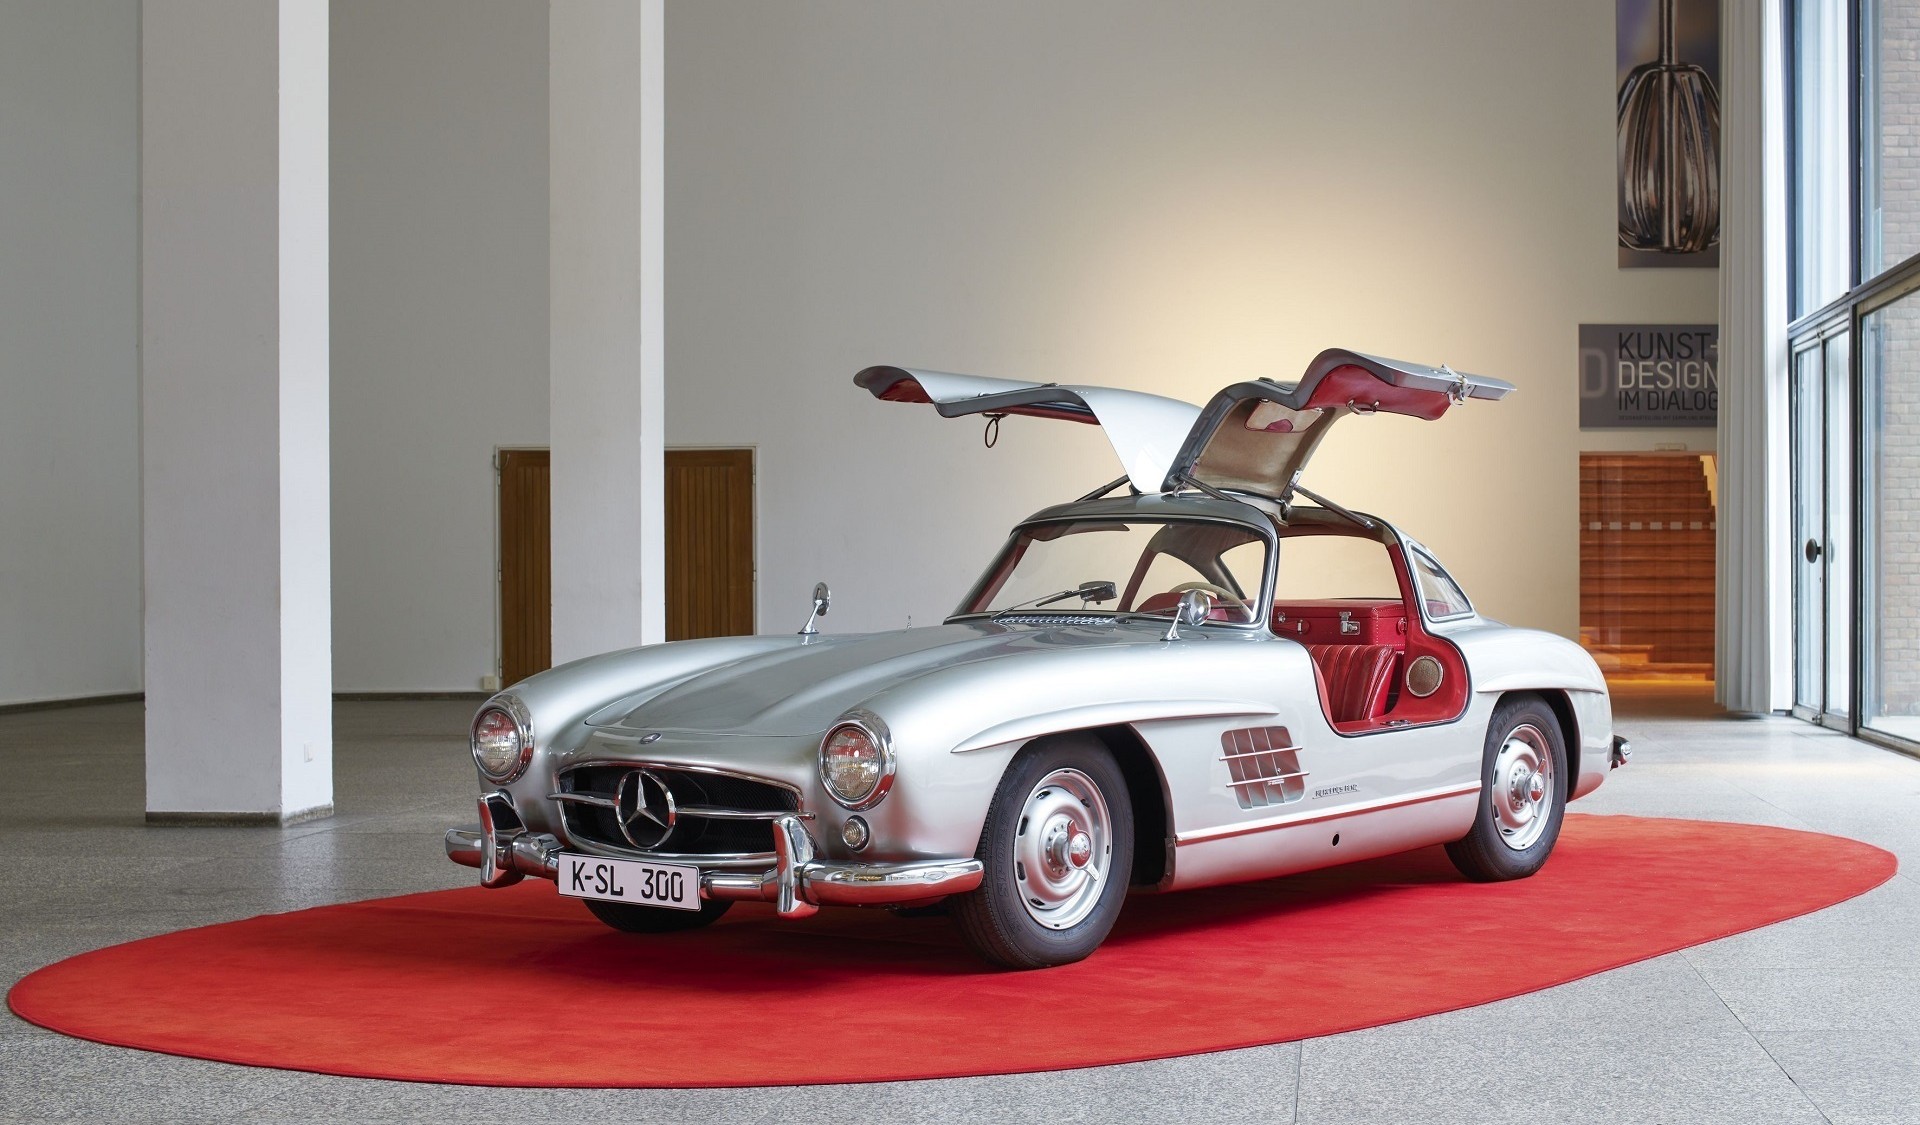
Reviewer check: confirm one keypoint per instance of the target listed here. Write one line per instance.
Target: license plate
(672, 885)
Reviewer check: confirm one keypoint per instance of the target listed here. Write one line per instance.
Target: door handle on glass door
(1813, 550)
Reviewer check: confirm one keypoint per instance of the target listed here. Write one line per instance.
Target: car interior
(1345, 590)
(1347, 594)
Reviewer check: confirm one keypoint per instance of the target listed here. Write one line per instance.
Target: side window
(1164, 572)
(1437, 589)
(1314, 567)
(1239, 568)
(1246, 564)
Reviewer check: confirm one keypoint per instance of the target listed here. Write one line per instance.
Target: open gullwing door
(1253, 437)
(1257, 436)
(1145, 430)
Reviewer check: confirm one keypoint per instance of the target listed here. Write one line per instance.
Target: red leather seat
(1355, 677)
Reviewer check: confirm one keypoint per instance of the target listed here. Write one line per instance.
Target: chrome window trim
(875, 729)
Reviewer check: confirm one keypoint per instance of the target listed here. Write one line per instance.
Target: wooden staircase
(1646, 565)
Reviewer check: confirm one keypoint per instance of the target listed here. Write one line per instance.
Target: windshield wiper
(1085, 591)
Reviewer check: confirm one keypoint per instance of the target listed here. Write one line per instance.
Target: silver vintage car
(1200, 673)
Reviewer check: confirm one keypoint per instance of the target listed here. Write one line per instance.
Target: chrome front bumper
(797, 885)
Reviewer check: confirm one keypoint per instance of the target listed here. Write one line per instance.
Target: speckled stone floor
(1816, 1019)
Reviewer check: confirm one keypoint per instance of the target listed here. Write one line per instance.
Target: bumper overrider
(798, 884)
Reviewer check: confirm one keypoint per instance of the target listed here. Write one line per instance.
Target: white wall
(69, 330)
(439, 323)
(1160, 196)
(1165, 197)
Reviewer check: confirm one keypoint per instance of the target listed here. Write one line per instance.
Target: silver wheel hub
(1523, 787)
(1062, 849)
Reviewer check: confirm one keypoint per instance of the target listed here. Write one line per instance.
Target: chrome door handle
(1813, 550)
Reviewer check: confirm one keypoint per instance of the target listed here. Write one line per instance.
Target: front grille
(694, 792)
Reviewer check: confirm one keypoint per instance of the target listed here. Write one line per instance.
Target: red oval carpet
(522, 987)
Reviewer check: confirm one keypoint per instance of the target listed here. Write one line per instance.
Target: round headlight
(499, 747)
(855, 765)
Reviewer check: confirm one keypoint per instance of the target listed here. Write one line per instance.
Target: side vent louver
(1263, 766)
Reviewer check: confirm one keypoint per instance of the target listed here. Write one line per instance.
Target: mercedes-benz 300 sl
(1200, 673)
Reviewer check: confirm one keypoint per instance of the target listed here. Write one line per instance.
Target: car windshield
(1125, 566)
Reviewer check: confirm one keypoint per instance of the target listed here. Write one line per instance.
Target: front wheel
(1057, 851)
(1523, 794)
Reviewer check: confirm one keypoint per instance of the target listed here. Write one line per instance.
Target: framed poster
(1649, 376)
(1667, 141)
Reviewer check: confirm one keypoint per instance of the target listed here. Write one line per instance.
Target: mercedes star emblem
(645, 808)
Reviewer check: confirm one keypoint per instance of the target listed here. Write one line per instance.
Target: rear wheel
(1057, 851)
(1523, 794)
(632, 919)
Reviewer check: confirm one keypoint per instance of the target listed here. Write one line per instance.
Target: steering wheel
(1220, 592)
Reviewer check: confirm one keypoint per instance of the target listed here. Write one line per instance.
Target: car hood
(802, 689)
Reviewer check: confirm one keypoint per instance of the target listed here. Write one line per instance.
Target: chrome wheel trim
(1062, 849)
(1522, 787)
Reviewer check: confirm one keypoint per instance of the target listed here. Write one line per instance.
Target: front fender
(955, 729)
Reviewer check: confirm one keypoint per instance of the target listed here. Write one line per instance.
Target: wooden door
(709, 534)
(526, 572)
(710, 569)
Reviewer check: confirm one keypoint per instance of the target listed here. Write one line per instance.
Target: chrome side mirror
(822, 597)
(1194, 607)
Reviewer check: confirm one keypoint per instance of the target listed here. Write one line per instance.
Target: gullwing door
(1256, 436)
(1252, 437)
(1145, 430)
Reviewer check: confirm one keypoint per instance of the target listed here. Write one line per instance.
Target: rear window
(1438, 590)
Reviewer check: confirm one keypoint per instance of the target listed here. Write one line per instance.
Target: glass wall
(1822, 183)
(1854, 116)
(1890, 128)
(1890, 370)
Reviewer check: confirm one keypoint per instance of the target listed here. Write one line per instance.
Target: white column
(1753, 647)
(605, 96)
(233, 410)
